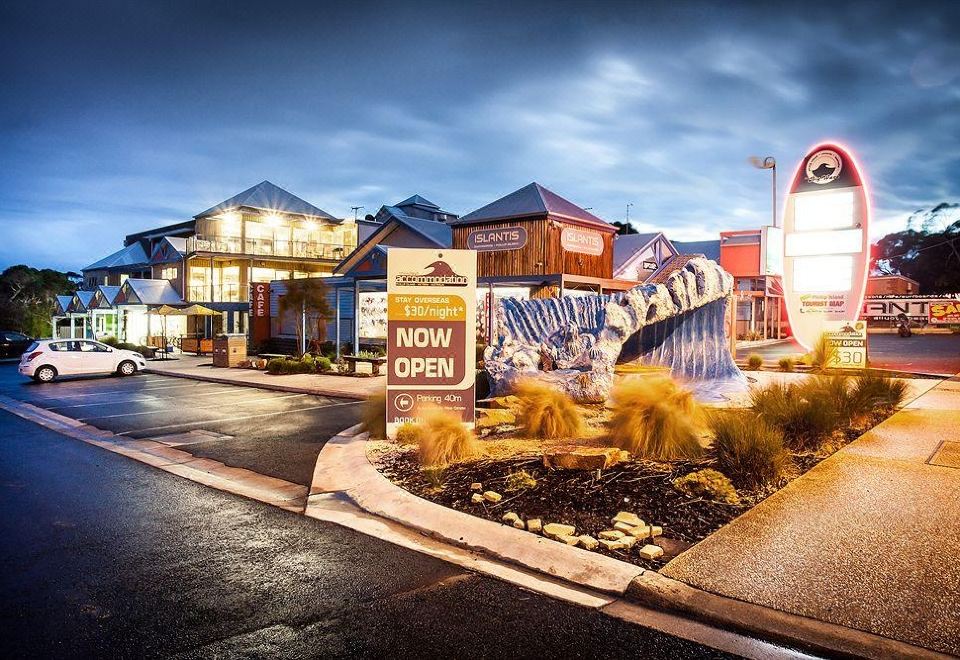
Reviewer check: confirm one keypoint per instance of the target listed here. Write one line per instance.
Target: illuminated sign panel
(826, 250)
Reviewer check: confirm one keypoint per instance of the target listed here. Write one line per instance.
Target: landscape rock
(611, 544)
(611, 534)
(589, 542)
(568, 539)
(628, 541)
(477, 498)
(476, 485)
(571, 457)
(491, 417)
(651, 552)
(518, 524)
(492, 496)
(510, 517)
(623, 527)
(642, 532)
(631, 519)
(656, 530)
(505, 402)
(553, 530)
(534, 525)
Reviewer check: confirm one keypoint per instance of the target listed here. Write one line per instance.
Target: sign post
(431, 336)
(849, 341)
(260, 311)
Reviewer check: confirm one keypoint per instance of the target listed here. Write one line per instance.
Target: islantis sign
(497, 239)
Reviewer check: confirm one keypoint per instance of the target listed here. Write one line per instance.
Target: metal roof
(108, 293)
(532, 199)
(709, 249)
(149, 292)
(417, 200)
(81, 301)
(627, 245)
(63, 303)
(268, 197)
(132, 255)
(436, 233)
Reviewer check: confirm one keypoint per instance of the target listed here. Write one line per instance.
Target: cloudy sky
(121, 116)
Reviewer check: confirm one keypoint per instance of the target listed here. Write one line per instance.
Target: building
(262, 234)
(891, 285)
(758, 289)
(637, 256)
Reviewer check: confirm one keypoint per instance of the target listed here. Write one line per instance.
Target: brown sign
(584, 241)
(260, 299)
(495, 239)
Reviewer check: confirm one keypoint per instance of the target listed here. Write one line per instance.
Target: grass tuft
(822, 354)
(519, 480)
(373, 415)
(748, 449)
(787, 364)
(654, 418)
(546, 412)
(710, 484)
(876, 392)
(754, 362)
(443, 439)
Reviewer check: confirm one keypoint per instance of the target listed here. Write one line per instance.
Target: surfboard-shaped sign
(826, 253)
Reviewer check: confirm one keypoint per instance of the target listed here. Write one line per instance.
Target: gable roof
(132, 255)
(171, 248)
(417, 200)
(63, 304)
(627, 245)
(532, 200)
(267, 196)
(136, 291)
(104, 296)
(434, 233)
(709, 249)
(671, 266)
(80, 301)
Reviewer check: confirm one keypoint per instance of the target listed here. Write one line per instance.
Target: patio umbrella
(190, 310)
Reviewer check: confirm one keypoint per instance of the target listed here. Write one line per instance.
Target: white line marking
(157, 398)
(219, 404)
(238, 419)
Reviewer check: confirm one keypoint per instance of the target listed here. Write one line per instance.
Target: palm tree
(303, 297)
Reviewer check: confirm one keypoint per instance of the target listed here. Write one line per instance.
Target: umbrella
(191, 310)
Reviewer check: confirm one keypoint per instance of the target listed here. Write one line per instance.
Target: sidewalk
(201, 368)
(869, 539)
(743, 344)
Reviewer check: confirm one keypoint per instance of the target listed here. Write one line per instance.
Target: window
(170, 273)
(92, 347)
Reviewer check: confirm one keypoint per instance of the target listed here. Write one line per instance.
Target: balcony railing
(217, 293)
(264, 247)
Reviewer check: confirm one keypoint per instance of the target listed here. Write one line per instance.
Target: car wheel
(45, 374)
(127, 368)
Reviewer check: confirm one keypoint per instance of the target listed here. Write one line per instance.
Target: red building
(757, 284)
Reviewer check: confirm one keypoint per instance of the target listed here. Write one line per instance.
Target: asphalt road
(106, 557)
(274, 433)
(922, 354)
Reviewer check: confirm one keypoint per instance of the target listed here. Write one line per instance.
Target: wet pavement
(921, 354)
(106, 557)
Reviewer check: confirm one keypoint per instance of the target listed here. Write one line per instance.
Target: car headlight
(138, 355)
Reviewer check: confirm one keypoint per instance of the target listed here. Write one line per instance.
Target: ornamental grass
(656, 419)
(545, 412)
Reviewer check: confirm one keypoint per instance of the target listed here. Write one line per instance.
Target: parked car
(46, 359)
(13, 343)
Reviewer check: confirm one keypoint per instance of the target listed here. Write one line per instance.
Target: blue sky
(121, 116)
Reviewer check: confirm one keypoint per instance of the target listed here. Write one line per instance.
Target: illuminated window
(841, 241)
(169, 273)
(823, 211)
(822, 274)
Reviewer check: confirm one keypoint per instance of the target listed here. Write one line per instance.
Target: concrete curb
(238, 481)
(318, 391)
(344, 469)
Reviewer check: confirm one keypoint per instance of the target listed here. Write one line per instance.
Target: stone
(477, 498)
(623, 527)
(589, 542)
(476, 485)
(628, 541)
(492, 417)
(510, 517)
(534, 525)
(568, 539)
(631, 519)
(553, 530)
(650, 551)
(518, 524)
(505, 402)
(492, 496)
(611, 534)
(571, 457)
(610, 544)
(656, 530)
(641, 532)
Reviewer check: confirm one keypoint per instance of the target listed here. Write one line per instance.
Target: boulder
(535, 525)
(492, 496)
(571, 457)
(589, 542)
(631, 519)
(490, 417)
(553, 530)
(650, 551)
(611, 534)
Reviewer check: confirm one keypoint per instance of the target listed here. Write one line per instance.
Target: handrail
(265, 247)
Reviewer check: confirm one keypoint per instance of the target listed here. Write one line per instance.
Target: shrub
(408, 434)
(709, 484)
(754, 362)
(877, 392)
(831, 391)
(655, 418)
(748, 449)
(823, 354)
(546, 412)
(110, 341)
(786, 364)
(275, 366)
(443, 439)
(323, 363)
(373, 415)
(520, 480)
(801, 412)
(307, 359)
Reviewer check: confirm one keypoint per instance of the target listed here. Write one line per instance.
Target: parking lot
(274, 433)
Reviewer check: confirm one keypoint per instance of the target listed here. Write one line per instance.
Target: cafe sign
(261, 299)
(583, 241)
(497, 239)
(945, 312)
(431, 352)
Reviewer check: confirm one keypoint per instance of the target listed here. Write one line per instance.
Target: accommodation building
(754, 258)
(637, 256)
(887, 285)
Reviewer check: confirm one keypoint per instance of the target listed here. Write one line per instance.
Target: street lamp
(768, 163)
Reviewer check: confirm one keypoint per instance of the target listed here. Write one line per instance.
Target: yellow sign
(849, 341)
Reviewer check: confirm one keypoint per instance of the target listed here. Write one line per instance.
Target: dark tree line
(28, 298)
(928, 250)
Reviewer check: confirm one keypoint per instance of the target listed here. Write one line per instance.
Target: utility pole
(629, 204)
(356, 212)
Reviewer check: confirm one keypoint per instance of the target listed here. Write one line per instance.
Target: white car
(46, 359)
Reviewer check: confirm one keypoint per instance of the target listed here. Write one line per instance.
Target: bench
(374, 362)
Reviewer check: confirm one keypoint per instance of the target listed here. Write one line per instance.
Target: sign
(825, 243)
(260, 299)
(945, 312)
(771, 250)
(431, 335)
(888, 306)
(584, 241)
(850, 343)
(496, 239)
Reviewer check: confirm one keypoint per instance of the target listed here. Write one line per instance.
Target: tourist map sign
(849, 340)
(431, 317)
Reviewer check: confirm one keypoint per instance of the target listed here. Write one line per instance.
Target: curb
(344, 469)
(259, 386)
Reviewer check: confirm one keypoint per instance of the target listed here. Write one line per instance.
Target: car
(13, 343)
(45, 360)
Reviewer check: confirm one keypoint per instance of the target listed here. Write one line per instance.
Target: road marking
(215, 405)
(238, 419)
(100, 393)
(155, 398)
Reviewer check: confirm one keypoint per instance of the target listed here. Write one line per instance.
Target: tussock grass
(876, 392)
(709, 484)
(408, 434)
(373, 415)
(822, 354)
(754, 362)
(749, 450)
(787, 364)
(547, 413)
(806, 413)
(443, 439)
(654, 418)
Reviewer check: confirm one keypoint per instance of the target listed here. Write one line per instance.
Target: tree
(28, 298)
(307, 298)
(624, 228)
(928, 250)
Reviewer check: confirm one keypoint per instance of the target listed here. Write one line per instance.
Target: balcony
(217, 293)
(264, 247)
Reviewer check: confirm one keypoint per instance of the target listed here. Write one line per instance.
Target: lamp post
(629, 204)
(768, 163)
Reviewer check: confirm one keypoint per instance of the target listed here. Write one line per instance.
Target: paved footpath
(868, 539)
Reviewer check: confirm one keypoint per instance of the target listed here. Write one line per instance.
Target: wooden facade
(543, 253)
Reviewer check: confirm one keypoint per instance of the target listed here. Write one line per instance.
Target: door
(96, 357)
(67, 359)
